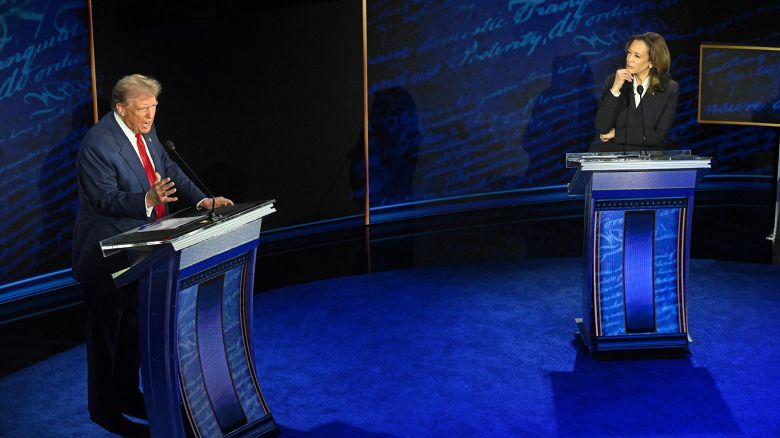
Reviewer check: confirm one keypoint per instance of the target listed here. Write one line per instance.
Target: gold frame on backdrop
(365, 111)
(92, 62)
(732, 47)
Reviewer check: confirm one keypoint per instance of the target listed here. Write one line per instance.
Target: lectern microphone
(170, 147)
(639, 90)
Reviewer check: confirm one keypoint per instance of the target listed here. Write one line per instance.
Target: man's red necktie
(159, 209)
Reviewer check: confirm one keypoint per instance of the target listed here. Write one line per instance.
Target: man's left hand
(218, 201)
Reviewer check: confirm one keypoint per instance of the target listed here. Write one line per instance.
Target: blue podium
(196, 275)
(637, 234)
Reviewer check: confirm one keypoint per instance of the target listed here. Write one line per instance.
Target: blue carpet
(476, 350)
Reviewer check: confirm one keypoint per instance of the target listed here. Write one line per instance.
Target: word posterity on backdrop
(473, 97)
(45, 109)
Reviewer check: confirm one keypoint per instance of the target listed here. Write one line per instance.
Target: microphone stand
(213, 216)
(639, 90)
(625, 126)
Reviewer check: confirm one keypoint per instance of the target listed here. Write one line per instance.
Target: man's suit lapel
(152, 148)
(128, 153)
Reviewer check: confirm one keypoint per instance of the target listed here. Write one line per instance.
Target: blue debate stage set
(196, 277)
(637, 235)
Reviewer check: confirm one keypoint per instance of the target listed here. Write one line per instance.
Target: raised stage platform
(475, 349)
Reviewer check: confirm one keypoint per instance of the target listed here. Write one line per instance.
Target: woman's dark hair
(660, 59)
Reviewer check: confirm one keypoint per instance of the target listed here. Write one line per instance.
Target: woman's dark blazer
(656, 109)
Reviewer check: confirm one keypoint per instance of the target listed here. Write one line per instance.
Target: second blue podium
(636, 246)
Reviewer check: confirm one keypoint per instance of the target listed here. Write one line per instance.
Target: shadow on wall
(562, 120)
(58, 192)
(394, 145)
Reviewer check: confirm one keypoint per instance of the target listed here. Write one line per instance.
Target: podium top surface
(187, 227)
(650, 160)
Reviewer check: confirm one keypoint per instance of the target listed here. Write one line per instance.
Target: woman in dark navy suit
(639, 101)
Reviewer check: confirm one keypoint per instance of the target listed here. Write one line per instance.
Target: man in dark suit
(125, 180)
(639, 102)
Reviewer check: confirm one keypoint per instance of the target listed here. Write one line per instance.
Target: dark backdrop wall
(262, 99)
(473, 97)
(45, 109)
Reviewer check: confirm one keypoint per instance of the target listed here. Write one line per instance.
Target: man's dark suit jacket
(657, 109)
(112, 190)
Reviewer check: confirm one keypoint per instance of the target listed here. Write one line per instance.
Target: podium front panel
(636, 246)
(214, 349)
(638, 271)
(198, 371)
(195, 325)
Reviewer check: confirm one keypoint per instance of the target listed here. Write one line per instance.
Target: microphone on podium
(639, 90)
(170, 147)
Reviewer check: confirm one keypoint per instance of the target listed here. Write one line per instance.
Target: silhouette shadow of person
(393, 148)
(562, 120)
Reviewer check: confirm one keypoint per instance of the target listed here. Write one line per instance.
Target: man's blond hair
(134, 86)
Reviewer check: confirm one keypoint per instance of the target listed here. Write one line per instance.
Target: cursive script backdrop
(45, 109)
(264, 98)
(471, 97)
(740, 84)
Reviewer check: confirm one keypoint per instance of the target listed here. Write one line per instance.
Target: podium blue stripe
(211, 347)
(638, 266)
